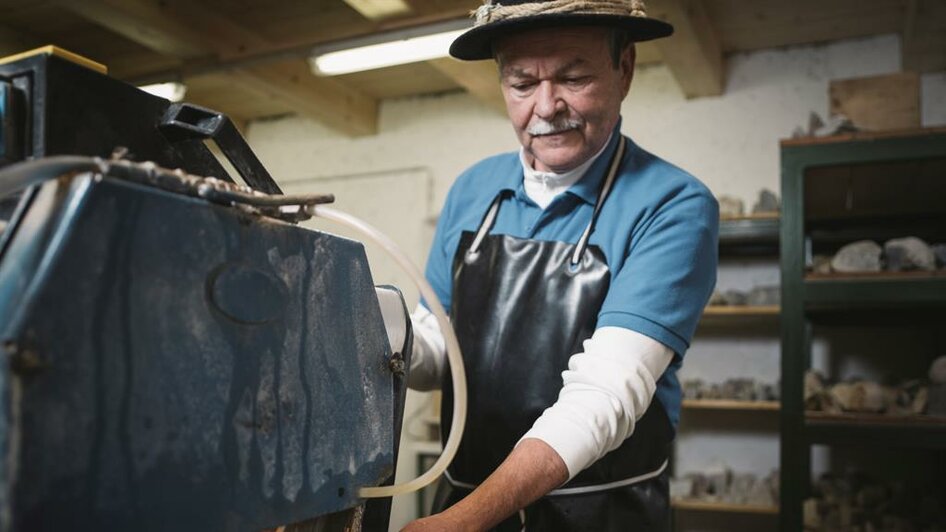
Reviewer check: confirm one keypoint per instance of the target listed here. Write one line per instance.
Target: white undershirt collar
(543, 187)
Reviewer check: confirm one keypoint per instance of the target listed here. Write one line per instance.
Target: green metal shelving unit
(805, 298)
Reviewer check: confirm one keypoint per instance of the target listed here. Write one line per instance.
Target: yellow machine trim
(55, 50)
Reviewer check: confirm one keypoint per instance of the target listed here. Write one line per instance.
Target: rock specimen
(908, 253)
(767, 202)
(731, 389)
(911, 397)
(719, 484)
(855, 502)
(939, 251)
(937, 373)
(860, 396)
(717, 298)
(734, 297)
(821, 264)
(936, 400)
(764, 296)
(860, 256)
(730, 207)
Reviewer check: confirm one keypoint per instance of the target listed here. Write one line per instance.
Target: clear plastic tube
(457, 373)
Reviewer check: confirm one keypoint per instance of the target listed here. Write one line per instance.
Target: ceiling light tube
(384, 50)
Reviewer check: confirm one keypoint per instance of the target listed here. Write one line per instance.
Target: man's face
(562, 92)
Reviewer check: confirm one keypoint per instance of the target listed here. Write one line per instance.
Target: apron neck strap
(616, 159)
(487, 224)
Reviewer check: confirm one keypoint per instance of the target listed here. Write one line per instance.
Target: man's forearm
(530, 471)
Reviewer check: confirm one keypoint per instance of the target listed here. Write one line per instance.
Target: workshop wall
(730, 142)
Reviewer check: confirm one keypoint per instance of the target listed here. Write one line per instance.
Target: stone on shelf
(730, 206)
(909, 253)
(860, 396)
(768, 202)
(764, 296)
(939, 251)
(860, 256)
(735, 297)
(717, 298)
(936, 400)
(937, 373)
(821, 264)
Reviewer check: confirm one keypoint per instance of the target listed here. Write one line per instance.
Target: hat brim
(477, 43)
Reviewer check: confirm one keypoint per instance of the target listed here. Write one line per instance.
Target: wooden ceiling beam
(479, 78)
(146, 23)
(326, 100)
(380, 9)
(693, 53)
(201, 31)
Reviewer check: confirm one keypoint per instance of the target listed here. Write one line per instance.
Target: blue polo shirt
(658, 231)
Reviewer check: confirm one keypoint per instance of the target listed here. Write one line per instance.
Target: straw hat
(494, 19)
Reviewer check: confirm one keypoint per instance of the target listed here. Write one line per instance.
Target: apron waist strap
(579, 490)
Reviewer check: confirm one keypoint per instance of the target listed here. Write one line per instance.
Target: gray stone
(936, 400)
(939, 251)
(860, 396)
(908, 253)
(717, 298)
(767, 202)
(937, 373)
(821, 264)
(764, 296)
(735, 297)
(730, 206)
(693, 389)
(860, 256)
(681, 488)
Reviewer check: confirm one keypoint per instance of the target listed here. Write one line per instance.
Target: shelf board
(876, 429)
(875, 289)
(730, 404)
(753, 234)
(741, 311)
(703, 506)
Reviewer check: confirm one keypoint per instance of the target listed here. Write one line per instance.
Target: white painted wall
(730, 142)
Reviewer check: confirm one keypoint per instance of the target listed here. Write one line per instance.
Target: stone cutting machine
(178, 354)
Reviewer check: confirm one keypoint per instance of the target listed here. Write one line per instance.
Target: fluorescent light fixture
(172, 90)
(384, 50)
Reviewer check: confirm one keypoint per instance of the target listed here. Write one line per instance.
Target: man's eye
(522, 86)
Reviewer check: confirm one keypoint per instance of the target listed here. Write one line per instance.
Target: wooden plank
(479, 78)
(187, 29)
(741, 310)
(854, 418)
(745, 26)
(704, 506)
(55, 50)
(861, 135)
(324, 99)
(379, 9)
(693, 53)
(146, 23)
(862, 276)
(751, 216)
(878, 103)
(924, 36)
(730, 404)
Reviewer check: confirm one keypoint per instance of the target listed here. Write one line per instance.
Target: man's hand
(530, 471)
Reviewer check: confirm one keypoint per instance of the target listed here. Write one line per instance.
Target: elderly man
(575, 271)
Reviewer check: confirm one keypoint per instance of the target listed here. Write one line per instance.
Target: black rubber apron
(521, 308)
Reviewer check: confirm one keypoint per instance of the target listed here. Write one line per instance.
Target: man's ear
(628, 57)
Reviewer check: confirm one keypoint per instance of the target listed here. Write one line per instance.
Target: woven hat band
(494, 12)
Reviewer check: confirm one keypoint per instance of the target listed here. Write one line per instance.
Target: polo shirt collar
(588, 186)
(585, 189)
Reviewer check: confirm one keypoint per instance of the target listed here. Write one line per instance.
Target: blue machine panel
(180, 365)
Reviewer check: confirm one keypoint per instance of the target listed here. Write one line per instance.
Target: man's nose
(548, 102)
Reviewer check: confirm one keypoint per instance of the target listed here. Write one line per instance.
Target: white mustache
(544, 127)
